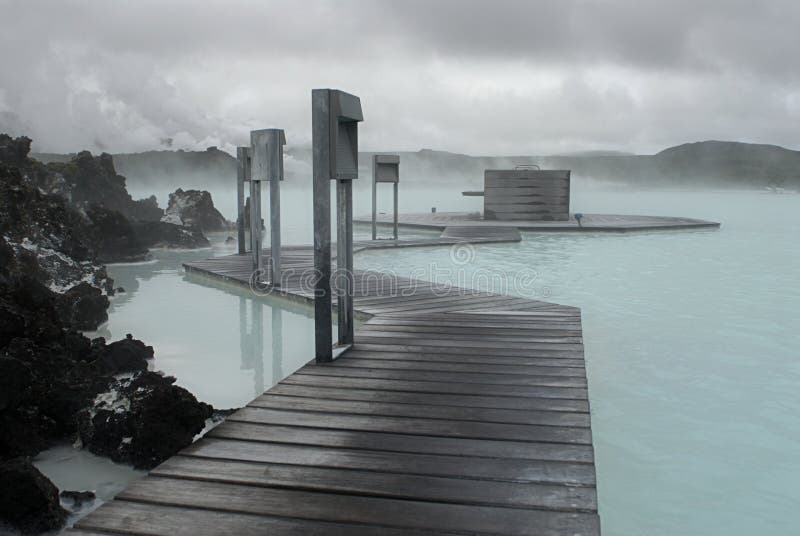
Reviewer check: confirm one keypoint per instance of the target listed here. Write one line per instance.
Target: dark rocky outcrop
(14, 151)
(28, 500)
(11, 324)
(105, 223)
(83, 307)
(114, 236)
(194, 208)
(143, 420)
(49, 371)
(125, 355)
(159, 234)
(51, 376)
(92, 180)
(68, 241)
(15, 381)
(157, 169)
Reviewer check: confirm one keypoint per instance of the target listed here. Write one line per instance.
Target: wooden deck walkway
(619, 223)
(456, 412)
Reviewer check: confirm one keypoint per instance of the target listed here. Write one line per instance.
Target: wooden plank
(510, 181)
(401, 341)
(508, 416)
(482, 335)
(540, 201)
(391, 442)
(418, 294)
(449, 299)
(136, 518)
(466, 302)
(550, 351)
(510, 191)
(511, 321)
(445, 387)
(347, 508)
(379, 484)
(433, 376)
(396, 323)
(500, 470)
(486, 357)
(429, 399)
(486, 367)
(416, 426)
(527, 372)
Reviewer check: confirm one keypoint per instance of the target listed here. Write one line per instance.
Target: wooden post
(335, 116)
(258, 347)
(267, 151)
(255, 227)
(242, 175)
(396, 234)
(275, 230)
(344, 259)
(320, 139)
(277, 345)
(374, 199)
(385, 168)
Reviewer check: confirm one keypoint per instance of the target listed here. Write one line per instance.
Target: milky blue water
(692, 345)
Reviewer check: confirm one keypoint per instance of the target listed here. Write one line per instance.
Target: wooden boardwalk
(456, 412)
(619, 223)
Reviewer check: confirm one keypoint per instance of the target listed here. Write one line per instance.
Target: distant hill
(716, 164)
(733, 163)
(169, 168)
(708, 163)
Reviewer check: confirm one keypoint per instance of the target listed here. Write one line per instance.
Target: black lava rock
(144, 421)
(126, 355)
(84, 307)
(15, 382)
(28, 500)
(169, 235)
(14, 150)
(92, 180)
(114, 236)
(195, 208)
(12, 324)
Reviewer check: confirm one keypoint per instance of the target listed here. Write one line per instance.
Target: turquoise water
(691, 345)
(222, 343)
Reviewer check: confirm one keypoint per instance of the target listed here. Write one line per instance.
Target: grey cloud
(502, 77)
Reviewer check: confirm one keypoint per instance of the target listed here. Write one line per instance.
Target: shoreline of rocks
(59, 224)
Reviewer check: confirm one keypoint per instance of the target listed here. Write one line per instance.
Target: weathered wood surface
(591, 222)
(526, 194)
(456, 412)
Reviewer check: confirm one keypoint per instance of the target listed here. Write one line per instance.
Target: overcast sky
(528, 77)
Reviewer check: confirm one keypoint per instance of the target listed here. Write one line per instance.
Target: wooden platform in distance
(591, 222)
(450, 236)
(456, 412)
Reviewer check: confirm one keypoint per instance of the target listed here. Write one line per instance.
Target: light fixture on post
(335, 117)
(385, 168)
(242, 176)
(267, 157)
